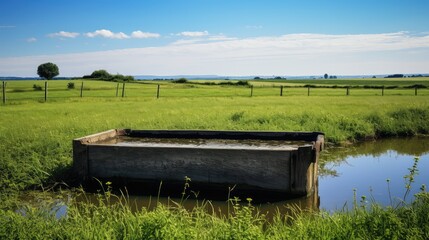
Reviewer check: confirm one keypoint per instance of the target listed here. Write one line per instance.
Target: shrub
(180, 80)
(70, 85)
(37, 87)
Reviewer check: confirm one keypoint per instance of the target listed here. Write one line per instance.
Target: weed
(237, 116)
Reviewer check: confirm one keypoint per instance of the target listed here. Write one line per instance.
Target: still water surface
(367, 167)
(374, 169)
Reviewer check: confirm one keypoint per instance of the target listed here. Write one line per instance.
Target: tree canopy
(106, 76)
(100, 74)
(48, 70)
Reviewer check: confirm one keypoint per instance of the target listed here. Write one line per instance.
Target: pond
(374, 169)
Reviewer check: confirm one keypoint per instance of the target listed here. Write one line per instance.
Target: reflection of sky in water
(366, 172)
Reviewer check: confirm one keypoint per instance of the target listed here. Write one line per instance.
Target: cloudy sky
(222, 37)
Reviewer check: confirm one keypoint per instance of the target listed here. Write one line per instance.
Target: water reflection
(367, 167)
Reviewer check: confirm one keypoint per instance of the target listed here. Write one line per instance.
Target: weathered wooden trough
(284, 162)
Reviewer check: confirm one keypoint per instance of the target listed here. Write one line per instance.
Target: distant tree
(180, 80)
(48, 70)
(374, 76)
(325, 76)
(100, 74)
(278, 78)
(256, 78)
(395, 76)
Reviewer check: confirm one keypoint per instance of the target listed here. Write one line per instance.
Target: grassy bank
(117, 221)
(35, 138)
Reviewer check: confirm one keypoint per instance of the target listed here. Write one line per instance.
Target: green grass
(23, 91)
(353, 82)
(106, 220)
(36, 151)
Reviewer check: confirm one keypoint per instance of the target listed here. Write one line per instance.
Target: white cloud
(193, 34)
(32, 39)
(6, 26)
(107, 34)
(63, 34)
(292, 54)
(140, 34)
(120, 35)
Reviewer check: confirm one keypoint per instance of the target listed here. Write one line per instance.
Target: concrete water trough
(283, 162)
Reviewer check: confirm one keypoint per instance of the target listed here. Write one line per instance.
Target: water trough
(282, 162)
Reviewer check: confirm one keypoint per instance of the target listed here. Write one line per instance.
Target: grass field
(16, 91)
(35, 140)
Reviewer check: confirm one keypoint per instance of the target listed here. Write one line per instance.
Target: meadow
(36, 151)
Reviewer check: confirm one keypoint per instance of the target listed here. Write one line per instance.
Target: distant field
(355, 81)
(23, 90)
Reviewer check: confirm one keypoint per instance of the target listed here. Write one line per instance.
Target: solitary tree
(48, 70)
(325, 76)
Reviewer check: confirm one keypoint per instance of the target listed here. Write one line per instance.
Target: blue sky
(234, 37)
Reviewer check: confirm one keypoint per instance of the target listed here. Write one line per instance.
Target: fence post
(117, 89)
(348, 91)
(382, 91)
(251, 90)
(308, 91)
(123, 89)
(157, 92)
(415, 91)
(281, 91)
(81, 90)
(46, 91)
(4, 92)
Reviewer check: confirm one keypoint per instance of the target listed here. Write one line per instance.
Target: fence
(44, 91)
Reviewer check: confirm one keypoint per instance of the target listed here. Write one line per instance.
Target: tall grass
(36, 151)
(35, 138)
(106, 220)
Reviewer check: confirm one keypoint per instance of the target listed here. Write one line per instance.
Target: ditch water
(374, 169)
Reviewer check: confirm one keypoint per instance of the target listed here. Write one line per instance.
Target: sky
(215, 37)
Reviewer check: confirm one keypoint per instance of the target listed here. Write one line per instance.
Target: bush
(180, 80)
(70, 85)
(37, 87)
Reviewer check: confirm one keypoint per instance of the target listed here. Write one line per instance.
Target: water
(367, 167)
(363, 168)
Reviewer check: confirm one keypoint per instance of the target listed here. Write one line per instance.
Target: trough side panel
(318, 147)
(302, 171)
(262, 169)
(80, 160)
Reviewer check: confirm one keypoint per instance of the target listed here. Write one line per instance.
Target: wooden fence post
(348, 91)
(382, 91)
(117, 89)
(157, 91)
(81, 90)
(123, 89)
(308, 91)
(251, 90)
(4, 92)
(415, 91)
(281, 91)
(46, 91)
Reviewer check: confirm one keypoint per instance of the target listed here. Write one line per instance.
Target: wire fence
(43, 91)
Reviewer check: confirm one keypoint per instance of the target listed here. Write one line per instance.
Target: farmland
(35, 140)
